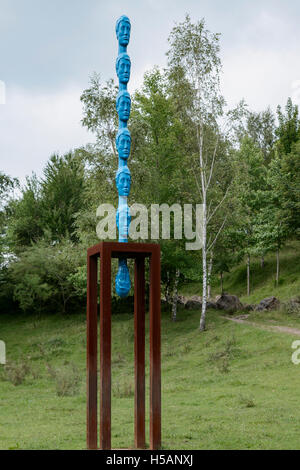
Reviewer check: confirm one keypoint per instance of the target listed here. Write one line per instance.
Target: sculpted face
(123, 144)
(123, 180)
(123, 29)
(124, 107)
(123, 220)
(123, 68)
(123, 283)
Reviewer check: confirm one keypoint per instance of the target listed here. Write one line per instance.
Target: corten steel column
(137, 251)
(105, 348)
(155, 359)
(139, 353)
(92, 339)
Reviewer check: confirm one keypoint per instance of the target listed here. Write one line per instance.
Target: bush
(67, 379)
(16, 372)
(44, 276)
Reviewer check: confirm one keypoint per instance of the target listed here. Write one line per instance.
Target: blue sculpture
(123, 28)
(123, 107)
(123, 143)
(123, 181)
(123, 283)
(123, 68)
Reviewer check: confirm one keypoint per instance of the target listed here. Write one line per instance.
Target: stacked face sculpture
(123, 141)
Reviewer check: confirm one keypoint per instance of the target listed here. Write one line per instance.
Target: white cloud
(260, 75)
(35, 125)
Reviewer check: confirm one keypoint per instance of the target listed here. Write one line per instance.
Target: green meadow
(231, 387)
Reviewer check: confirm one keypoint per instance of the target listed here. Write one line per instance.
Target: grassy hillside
(262, 279)
(233, 386)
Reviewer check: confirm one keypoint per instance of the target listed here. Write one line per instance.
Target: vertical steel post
(139, 353)
(155, 343)
(92, 339)
(105, 348)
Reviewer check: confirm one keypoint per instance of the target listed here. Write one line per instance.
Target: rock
(249, 307)
(196, 298)
(193, 303)
(230, 303)
(211, 304)
(181, 300)
(270, 303)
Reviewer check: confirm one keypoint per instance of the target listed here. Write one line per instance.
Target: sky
(50, 48)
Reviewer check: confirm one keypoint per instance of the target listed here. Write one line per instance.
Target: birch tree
(194, 53)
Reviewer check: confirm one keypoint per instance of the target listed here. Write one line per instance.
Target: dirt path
(280, 329)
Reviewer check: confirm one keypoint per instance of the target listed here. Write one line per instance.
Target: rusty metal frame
(138, 251)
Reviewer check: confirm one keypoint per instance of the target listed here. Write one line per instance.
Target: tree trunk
(248, 275)
(204, 269)
(221, 278)
(175, 296)
(167, 290)
(277, 267)
(210, 265)
(262, 262)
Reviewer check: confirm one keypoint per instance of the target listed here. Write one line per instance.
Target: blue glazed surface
(123, 219)
(123, 69)
(123, 106)
(123, 181)
(123, 283)
(123, 143)
(123, 29)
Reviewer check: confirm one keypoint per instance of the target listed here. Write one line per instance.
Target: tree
(99, 112)
(261, 128)
(62, 195)
(7, 185)
(194, 55)
(249, 188)
(288, 130)
(24, 216)
(43, 275)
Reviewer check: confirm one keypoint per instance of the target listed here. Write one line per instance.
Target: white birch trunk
(277, 267)
(210, 265)
(167, 291)
(175, 296)
(248, 275)
(204, 268)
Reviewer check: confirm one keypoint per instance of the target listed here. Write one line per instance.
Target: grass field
(231, 387)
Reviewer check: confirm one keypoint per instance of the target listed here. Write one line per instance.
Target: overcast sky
(49, 48)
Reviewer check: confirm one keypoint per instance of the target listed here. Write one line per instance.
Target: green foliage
(25, 224)
(16, 372)
(62, 195)
(99, 111)
(44, 274)
(261, 129)
(288, 131)
(249, 190)
(178, 149)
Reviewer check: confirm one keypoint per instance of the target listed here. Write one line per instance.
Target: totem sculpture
(121, 250)
(123, 141)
